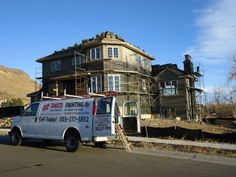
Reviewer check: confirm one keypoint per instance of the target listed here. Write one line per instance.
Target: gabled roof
(159, 69)
(107, 37)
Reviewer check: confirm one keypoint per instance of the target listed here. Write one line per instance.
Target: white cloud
(216, 42)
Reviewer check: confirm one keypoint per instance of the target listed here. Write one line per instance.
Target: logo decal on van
(45, 107)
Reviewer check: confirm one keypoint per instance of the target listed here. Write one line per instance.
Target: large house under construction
(176, 92)
(106, 64)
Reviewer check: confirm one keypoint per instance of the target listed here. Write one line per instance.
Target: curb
(187, 156)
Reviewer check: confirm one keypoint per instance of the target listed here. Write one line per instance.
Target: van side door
(104, 120)
(29, 121)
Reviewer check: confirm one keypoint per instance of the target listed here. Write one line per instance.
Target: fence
(11, 111)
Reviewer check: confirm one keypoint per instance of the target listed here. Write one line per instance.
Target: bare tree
(232, 74)
(218, 95)
(230, 97)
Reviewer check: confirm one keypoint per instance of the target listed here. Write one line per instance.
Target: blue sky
(167, 29)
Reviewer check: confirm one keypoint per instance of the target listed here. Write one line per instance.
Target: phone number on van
(74, 119)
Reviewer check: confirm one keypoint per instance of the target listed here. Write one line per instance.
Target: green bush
(13, 102)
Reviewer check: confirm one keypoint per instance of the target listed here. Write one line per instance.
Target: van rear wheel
(72, 142)
(16, 138)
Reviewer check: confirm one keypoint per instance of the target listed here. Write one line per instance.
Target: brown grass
(15, 83)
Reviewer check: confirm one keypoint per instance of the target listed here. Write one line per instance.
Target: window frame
(95, 53)
(55, 65)
(114, 85)
(110, 52)
(139, 60)
(168, 88)
(98, 85)
(113, 52)
(77, 60)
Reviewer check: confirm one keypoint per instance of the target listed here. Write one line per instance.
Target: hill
(15, 83)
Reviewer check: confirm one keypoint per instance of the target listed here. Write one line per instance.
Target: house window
(146, 63)
(113, 82)
(96, 84)
(113, 52)
(55, 65)
(139, 60)
(77, 60)
(109, 52)
(98, 53)
(92, 54)
(95, 53)
(168, 88)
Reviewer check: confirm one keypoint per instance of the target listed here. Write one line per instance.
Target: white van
(71, 120)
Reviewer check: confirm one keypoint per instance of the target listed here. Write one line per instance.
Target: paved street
(36, 160)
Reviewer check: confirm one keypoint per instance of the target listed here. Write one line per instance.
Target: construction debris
(5, 122)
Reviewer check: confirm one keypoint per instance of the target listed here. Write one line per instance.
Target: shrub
(12, 102)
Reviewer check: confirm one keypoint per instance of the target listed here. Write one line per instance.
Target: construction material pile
(5, 122)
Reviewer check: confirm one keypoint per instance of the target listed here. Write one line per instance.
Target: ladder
(121, 134)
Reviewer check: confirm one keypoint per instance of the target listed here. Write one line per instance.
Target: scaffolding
(201, 97)
(136, 80)
(38, 78)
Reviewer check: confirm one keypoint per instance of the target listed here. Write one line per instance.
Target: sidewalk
(184, 143)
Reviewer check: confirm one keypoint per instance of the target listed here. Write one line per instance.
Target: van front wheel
(16, 138)
(72, 142)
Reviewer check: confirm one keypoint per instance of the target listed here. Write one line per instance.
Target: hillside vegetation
(15, 83)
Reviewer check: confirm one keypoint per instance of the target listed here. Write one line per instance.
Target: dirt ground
(164, 123)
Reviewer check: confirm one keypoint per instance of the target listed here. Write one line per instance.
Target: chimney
(188, 65)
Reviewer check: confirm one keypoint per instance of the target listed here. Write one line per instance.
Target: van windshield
(104, 106)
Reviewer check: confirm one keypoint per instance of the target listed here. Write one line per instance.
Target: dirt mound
(164, 123)
(15, 83)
